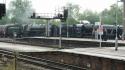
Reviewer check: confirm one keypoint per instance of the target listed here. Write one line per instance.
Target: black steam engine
(74, 31)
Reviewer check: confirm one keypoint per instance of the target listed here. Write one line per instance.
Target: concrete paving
(24, 48)
(105, 52)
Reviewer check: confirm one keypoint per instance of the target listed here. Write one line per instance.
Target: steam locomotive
(74, 31)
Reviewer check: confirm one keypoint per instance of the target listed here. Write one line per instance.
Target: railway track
(38, 61)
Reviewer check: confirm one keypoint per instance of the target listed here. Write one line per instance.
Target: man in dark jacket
(104, 36)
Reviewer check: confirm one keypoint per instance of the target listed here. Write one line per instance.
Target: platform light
(116, 38)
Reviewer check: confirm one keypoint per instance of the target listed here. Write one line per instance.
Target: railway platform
(104, 52)
(94, 58)
(23, 48)
(74, 42)
(78, 39)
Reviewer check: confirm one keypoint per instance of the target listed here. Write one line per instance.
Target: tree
(109, 16)
(73, 13)
(39, 21)
(20, 11)
(89, 15)
(5, 19)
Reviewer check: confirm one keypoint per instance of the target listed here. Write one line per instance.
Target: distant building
(84, 22)
(97, 23)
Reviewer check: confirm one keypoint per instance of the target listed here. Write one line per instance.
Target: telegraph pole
(63, 18)
(123, 18)
(60, 35)
(124, 14)
(100, 31)
(116, 22)
(69, 17)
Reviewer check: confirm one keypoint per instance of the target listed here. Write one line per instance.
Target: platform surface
(105, 52)
(24, 48)
(79, 39)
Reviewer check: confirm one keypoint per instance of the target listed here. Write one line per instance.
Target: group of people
(104, 34)
(100, 31)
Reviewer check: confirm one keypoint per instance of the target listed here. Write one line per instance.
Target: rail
(39, 61)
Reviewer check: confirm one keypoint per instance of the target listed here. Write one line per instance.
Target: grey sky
(50, 5)
(42, 6)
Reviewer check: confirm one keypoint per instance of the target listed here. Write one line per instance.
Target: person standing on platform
(119, 33)
(96, 33)
(104, 36)
(100, 31)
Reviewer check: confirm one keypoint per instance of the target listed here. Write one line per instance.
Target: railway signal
(34, 15)
(2, 10)
(62, 17)
(65, 14)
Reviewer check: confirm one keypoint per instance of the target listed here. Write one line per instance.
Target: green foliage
(39, 21)
(71, 21)
(5, 19)
(73, 10)
(20, 10)
(109, 16)
(73, 15)
(55, 22)
(89, 15)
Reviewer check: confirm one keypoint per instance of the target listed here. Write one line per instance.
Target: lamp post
(116, 21)
(69, 17)
(100, 30)
(123, 19)
(63, 19)
(60, 35)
